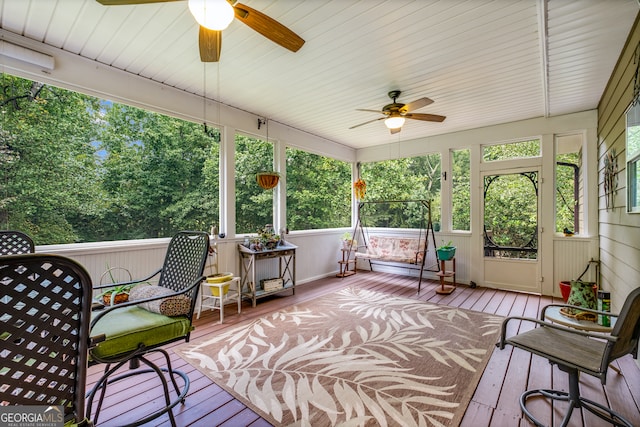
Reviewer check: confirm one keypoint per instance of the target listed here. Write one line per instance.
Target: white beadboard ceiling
(483, 62)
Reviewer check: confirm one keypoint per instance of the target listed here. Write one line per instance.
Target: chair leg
(574, 400)
(105, 380)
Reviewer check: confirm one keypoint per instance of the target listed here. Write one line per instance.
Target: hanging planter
(267, 180)
(360, 189)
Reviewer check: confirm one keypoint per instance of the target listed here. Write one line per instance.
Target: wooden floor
(495, 403)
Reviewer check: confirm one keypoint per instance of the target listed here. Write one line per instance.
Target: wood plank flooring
(495, 402)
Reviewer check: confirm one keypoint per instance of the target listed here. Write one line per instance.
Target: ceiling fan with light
(216, 15)
(396, 113)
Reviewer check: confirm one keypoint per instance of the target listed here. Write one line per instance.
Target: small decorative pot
(565, 289)
(445, 254)
(582, 295)
(117, 299)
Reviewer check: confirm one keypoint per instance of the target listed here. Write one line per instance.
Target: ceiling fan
(215, 15)
(396, 112)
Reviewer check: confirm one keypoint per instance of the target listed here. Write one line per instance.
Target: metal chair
(15, 242)
(128, 332)
(46, 306)
(576, 351)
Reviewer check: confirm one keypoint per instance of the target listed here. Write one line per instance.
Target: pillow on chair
(177, 305)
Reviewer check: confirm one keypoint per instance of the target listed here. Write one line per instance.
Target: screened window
(318, 191)
(461, 189)
(569, 185)
(76, 168)
(633, 159)
(409, 178)
(512, 150)
(254, 205)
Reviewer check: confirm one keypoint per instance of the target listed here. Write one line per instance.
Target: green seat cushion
(126, 328)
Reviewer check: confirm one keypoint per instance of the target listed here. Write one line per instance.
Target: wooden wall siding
(619, 231)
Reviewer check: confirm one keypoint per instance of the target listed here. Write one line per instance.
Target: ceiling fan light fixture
(212, 14)
(394, 122)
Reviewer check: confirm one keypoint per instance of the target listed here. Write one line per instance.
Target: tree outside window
(318, 191)
(461, 189)
(409, 178)
(254, 205)
(79, 169)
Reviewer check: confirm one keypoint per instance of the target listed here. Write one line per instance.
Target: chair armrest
(589, 310)
(131, 282)
(111, 308)
(541, 323)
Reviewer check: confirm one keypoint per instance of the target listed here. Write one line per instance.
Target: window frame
(632, 160)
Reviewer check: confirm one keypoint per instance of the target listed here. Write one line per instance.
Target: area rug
(354, 357)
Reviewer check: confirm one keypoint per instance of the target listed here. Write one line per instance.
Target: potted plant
(446, 251)
(116, 295)
(348, 241)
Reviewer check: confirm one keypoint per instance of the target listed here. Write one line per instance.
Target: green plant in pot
(116, 295)
(348, 241)
(446, 251)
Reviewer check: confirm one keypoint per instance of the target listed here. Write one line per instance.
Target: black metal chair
(576, 351)
(15, 242)
(128, 332)
(46, 309)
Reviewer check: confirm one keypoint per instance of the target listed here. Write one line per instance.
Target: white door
(511, 233)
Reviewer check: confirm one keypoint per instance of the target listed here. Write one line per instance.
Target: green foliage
(75, 169)
(318, 191)
(411, 178)
(512, 150)
(461, 189)
(565, 200)
(254, 206)
(511, 209)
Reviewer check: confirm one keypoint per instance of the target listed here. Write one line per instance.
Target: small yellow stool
(217, 290)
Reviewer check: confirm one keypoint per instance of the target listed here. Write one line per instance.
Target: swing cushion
(393, 248)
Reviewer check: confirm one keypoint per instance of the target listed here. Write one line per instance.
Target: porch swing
(384, 248)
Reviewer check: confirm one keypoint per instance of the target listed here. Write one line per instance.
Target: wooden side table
(447, 287)
(347, 265)
(285, 255)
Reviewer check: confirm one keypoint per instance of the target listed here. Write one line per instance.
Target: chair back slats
(45, 305)
(15, 242)
(185, 260)
(627, 327)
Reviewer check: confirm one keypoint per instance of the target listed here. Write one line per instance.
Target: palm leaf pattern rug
(355, 357)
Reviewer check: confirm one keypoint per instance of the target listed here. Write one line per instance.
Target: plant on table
(348, 241)
(446, 251)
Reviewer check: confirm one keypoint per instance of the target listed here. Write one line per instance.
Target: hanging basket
(267, 180)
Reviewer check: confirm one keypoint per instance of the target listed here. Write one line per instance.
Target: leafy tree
(49, 168)
(410, 178)
(318, 191)
(565, 198)
(511, 212)
(461, 189)
(254, 206)
(160, 174)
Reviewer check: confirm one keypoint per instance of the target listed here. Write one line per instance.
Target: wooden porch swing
(387, 249)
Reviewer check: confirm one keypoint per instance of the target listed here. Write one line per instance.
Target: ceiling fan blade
(122, 2)
(268, 27)
(418, 103)
(366, 123)
(425, 117)
(395, 130)
(372, 111)
(210, 42)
